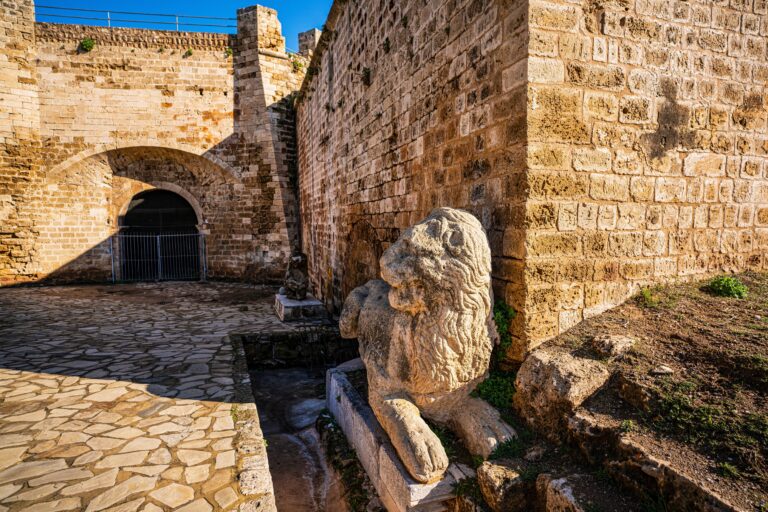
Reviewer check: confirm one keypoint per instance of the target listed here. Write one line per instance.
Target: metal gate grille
(158, 257)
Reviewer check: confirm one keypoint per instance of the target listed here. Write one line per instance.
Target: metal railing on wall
(133, 19)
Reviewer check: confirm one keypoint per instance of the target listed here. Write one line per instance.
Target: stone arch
(170, 187)
(94, 151)
(362, 258)
(82, 206)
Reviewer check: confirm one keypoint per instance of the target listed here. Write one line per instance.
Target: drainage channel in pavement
(287, 373)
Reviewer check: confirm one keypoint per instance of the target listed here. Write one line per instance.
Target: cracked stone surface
(130, 398)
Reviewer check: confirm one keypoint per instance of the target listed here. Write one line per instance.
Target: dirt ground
(693, 389)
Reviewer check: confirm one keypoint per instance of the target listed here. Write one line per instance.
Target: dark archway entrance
(159, 239)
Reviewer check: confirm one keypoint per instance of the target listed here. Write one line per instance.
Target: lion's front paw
(419, 448)
(481, 427)
(427, 460)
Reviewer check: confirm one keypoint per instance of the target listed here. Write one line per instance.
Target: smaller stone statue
(296, 277)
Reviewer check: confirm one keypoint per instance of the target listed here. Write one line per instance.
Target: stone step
(637, 469)
(508, 486)
(559, 394)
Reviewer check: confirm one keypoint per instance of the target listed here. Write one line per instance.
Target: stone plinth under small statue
(288, 309)
(293, 302)
(426, 334)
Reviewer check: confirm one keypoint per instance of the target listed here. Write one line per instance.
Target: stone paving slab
(131, 398)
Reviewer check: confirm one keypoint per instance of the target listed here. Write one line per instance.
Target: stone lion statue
(296, 279)
(426, 333)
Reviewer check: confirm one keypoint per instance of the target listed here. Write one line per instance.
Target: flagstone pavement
(131, 398)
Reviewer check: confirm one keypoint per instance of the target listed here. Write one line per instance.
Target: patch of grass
(655, 297)
(628, 426)
(234, 412)
(756, 425)
(296, 64)
(498, 389)
(716, 430)
(187, 54)
(754, 370)
(508, 449)
(86, 45)
(729, 470)
(727, 286)
(648, 299)
(228, 51)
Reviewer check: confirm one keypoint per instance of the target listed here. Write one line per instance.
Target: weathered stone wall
(198, 113)
(604, 144)
(19, 132)
(647, 150)
(410, 106)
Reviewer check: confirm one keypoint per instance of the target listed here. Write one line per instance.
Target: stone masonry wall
(604, 144)
(177, 106)
(647, 150)
(19, 130)
(409, 106)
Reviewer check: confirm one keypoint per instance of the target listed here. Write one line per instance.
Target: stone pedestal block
(288, 309)
(397, 490)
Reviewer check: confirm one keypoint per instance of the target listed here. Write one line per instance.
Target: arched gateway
(159, 239)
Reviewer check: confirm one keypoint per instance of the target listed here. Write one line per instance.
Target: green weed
(628, 426)
(502, 317)
(726, 286)
(656, 297)
(714, 429)
(86, 45)
(497, 389)
(729, 470)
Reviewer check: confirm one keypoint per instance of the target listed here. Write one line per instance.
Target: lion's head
(439, 271)
(444, 254)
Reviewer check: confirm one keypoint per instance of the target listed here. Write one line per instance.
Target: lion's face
(435, 257)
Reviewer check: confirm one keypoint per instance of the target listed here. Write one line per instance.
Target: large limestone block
(426, 335)
(550, 385)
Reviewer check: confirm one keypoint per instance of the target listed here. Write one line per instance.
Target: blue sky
(295, 15)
